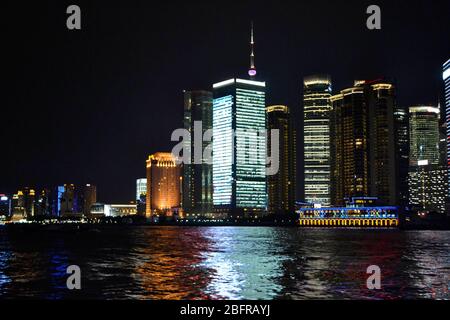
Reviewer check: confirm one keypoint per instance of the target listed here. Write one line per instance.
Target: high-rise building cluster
(66, 200)
(360, 147)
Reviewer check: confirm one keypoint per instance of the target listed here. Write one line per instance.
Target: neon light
(251, 82)
(223, 83)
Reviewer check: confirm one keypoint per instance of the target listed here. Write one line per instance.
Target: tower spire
(252, 70)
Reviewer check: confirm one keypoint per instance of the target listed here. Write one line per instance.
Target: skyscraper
(383, 147)
(163, 184)
(197, 175)
(316, 116)
(89, 198)
(446, 78)
(69, 200)
(5, 205)
(426, 173)
(141, 188)
(349, 145)
(281, 187)
(363, 143)
(239, 147)
(402, 153)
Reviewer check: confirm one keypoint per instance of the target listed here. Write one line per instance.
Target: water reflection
(246, 263)
(225, 263)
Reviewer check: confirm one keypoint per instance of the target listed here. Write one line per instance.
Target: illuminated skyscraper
(57, 195)
(5, 205)
(426, 174)
(197, 175)
(383, 147)
(89, 198)
(141, 188)
(402, 141)
(349, 146)
(69, 201)
(43, 203)
(363, 143)
(239, 145)
(281, 187)
(239, 160)
(446, 78)
(316, 117)
(163, 184)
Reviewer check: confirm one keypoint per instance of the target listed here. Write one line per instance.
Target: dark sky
(89, 106)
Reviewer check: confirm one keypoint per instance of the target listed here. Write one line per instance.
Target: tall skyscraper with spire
(239, 145)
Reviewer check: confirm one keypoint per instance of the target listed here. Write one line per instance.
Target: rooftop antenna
(252, 70)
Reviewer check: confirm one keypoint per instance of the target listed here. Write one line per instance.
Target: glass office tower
(281, 187)
(239, 148)
(426, 175)
(141, 188)
(316, 117)
(364, 151)
(197, 177)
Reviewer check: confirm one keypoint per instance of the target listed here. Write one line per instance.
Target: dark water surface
(225, 263)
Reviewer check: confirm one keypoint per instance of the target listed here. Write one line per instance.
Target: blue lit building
(56, 200)
(239, 148)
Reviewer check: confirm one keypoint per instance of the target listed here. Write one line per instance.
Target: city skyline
(68, 149)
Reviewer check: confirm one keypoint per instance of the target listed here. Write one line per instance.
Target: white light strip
(223, 83)
(424, 109)
(446, 74)
(251, 82)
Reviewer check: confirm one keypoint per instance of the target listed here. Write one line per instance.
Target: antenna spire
(252, 70)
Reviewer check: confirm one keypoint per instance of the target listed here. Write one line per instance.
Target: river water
(225, 263)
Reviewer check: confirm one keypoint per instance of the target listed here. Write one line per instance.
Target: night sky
(89, 106)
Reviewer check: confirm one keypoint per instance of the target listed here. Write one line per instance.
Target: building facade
(239, 148)
(163, 185)
(383, 147)
(446, 78)
(5, 205)
(197, 174)
(281, 187)
(349, 146)
(402, 153)
(316, 118)
(363, 143)
(426, 179)
(141, 188)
